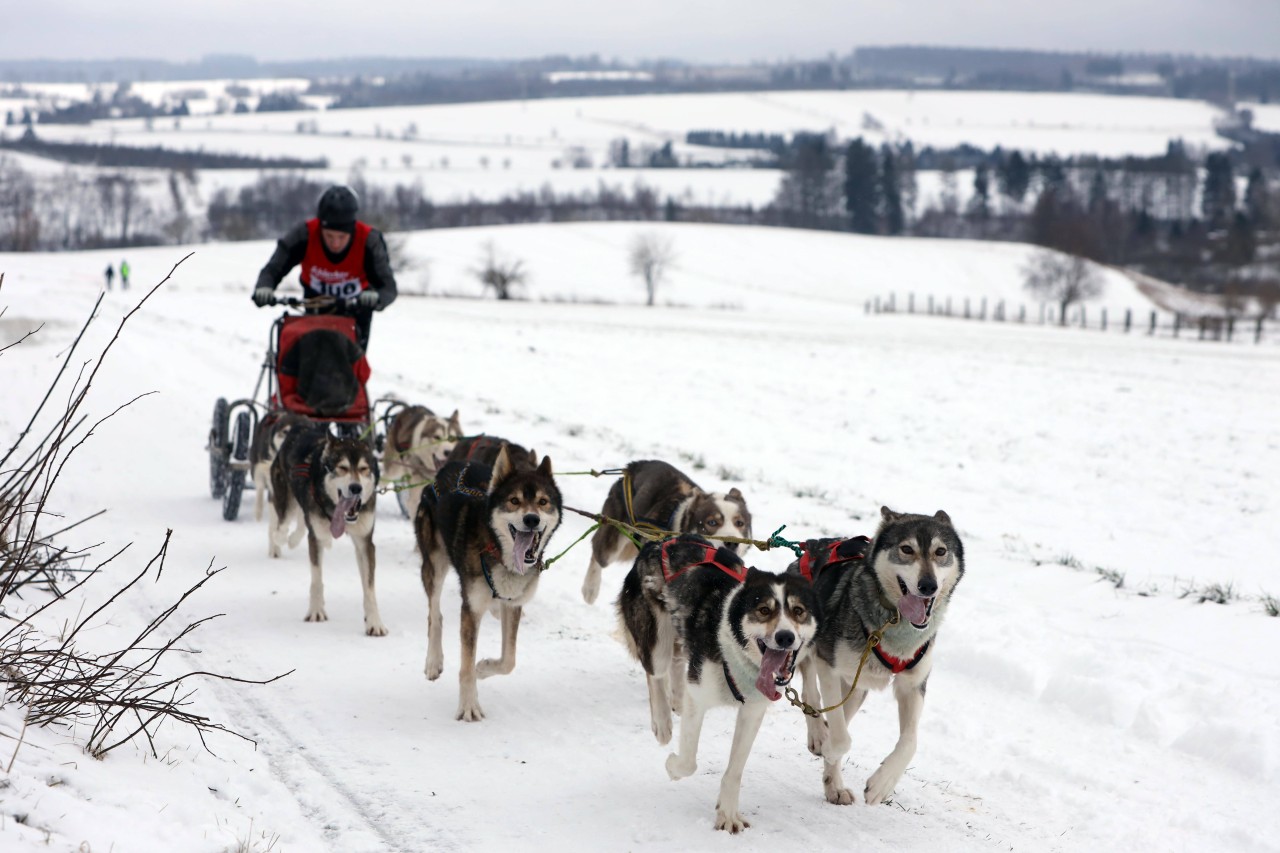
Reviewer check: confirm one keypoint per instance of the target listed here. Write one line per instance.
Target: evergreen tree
(890, 192)
(1218, 198)
(861, 187)
(1257, 199)
(1014, 177)
(980, 204)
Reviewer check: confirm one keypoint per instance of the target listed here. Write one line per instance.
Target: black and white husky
(492, 523)
(663, 496)
(908, 572)
(327, 486)
(712, 631)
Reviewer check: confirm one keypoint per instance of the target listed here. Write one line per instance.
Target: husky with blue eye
(326, 485)
(903, 577)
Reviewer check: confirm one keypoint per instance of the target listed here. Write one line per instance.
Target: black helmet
(337, 208)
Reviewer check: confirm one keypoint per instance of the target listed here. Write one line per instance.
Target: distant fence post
(931, 303)
(983, 314)
(1257, 333)
(893, 297)
(1128, 319)
(1152, 330)
(966, 308)
(1231, 327)
(1042, 306)
(1177, 322)
(948, 306)
(911, 303)
(1084, 322)
(1202, 325)
(867, 306)
(877, 304)
(1104, 319)
(1022, 313)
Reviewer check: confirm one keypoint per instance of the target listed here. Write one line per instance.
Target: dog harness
(838, 552)
(897, 665)
(738, 573)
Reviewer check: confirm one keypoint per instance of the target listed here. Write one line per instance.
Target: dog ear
(455, 425)
(545, 468)
(334, 430)
(533, 458)
(501, 468)
(888, 515)
(943, 517)
(735, 495)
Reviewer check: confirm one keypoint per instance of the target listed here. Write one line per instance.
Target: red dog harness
(834, 558)
(738, 573)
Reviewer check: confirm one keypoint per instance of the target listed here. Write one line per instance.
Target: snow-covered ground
(1064, 713)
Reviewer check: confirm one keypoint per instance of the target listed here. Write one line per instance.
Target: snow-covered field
(1064, 713)
(487, 150)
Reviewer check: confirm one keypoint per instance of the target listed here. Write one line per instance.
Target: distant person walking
(124, 275)
(111, 273)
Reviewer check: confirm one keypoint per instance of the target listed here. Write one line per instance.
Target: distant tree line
(156, 157)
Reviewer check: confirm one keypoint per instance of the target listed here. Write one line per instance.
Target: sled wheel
(235, 476)
(218, 449)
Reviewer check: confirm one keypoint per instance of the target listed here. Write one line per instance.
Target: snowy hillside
(1065, 712)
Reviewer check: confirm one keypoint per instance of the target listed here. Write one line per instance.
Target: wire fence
(1228, 329)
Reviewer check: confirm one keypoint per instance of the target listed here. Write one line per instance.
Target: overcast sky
(696, 30)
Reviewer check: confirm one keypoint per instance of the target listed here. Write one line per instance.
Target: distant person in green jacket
(110, 274)
(124, 275)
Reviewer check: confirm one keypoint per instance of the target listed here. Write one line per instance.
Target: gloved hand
(263, 296)
(368, 299)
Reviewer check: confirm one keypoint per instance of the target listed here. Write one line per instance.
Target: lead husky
(663, 496)
(492, 524)
(418, 444)
(908, 572)
(327, 485)
(737, 634)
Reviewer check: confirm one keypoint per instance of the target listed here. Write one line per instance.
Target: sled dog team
(708, 629)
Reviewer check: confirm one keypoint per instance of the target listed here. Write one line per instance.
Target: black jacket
(292, 248)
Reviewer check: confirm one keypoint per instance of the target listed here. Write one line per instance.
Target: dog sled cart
(313, 367)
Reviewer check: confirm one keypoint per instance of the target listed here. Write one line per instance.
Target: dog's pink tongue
(523, 544)
(771, 664)
(338, 522)
(914, 608)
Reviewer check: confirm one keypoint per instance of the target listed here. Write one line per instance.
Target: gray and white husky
(327, 485)
(710, 631)
(662, 496)
(418, 444)
(908, 571)
(492, 523)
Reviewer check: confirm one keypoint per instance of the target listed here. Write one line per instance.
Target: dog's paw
(838, 796)
(273, 551)
(435, 666)
(375, 629)
(880, 786)
(731, 822)
(662, 731)
(491, 666)
(591, 587)
(317, 615)
(470, 712)
(678, 768)
(817, 736)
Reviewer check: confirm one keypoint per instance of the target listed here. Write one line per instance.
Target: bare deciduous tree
(1065, 279)
(504, 275)
(651, 257)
